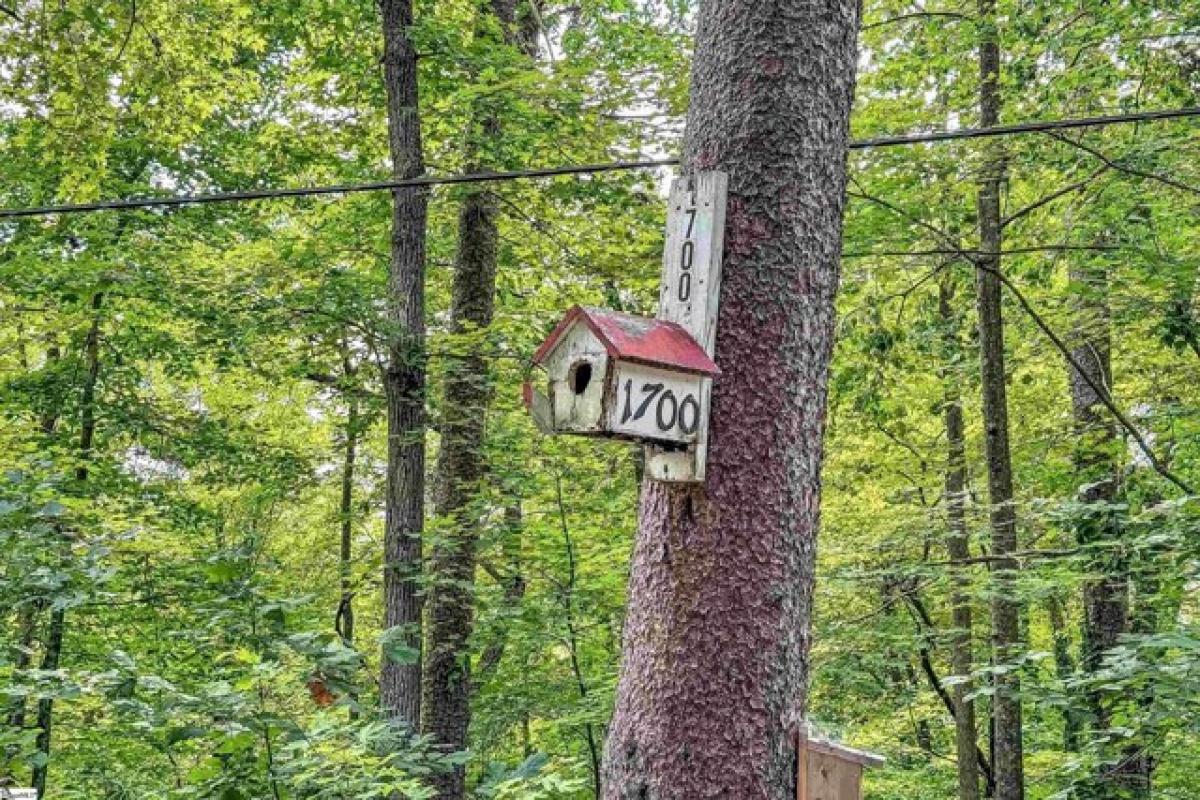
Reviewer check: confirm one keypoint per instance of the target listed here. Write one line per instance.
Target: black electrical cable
(578, 169)
(1026, 127)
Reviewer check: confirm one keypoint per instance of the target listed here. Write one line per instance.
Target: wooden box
(830, 771)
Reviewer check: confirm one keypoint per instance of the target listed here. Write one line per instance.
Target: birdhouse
(829, 770)
(604, 373)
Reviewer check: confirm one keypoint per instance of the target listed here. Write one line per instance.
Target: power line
(343, 188)
(1045, 126)
(172, 201)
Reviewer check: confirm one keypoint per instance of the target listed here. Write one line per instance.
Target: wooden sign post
(690, 295)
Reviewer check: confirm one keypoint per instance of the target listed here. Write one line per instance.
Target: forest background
(192, 414)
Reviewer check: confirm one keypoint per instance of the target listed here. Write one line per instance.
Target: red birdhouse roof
(655, 342)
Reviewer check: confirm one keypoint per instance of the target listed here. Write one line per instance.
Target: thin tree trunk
(1146, 619)
(1064, 668)
(404, 376)
(45, 706)
(344, 619)
(958, 548)
(28, 618)
(461, 466)
(714, 677)
(22, 657)
(345, 613)
(1006, 610)
(1106, 596)
(568, 598)
(56, 631)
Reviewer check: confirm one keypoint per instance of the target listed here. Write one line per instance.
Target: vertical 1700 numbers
(670, 412)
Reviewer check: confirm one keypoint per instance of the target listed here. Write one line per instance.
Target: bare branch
(1101, 391)
(1153, 176)
(925, 624)
(1050, 198)
(133, 18)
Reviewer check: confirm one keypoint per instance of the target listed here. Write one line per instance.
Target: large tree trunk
(958, 548)
(713, 681)
(1106, 593)
(1006, 610)
(404, 378)
(446, 705)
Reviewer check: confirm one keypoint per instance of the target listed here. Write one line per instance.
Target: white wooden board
(691, 275)
(690, 294)
(654, 403)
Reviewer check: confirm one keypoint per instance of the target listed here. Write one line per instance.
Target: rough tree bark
(958, 548)
(446, 704)
(404, 374)
(713, 681)
(1008, 761)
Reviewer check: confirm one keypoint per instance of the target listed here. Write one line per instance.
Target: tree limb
(133, 18)
(974, 257)
(1100, 390)
(1153, 176)
(925, 623)
(1050, 198)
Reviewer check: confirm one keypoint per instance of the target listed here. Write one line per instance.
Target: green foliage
(193, 548)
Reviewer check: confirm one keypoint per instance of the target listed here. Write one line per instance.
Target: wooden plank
(652, 403)
(831, 778)
(690, 295)
(861, 757)
(691, 274)
(801, 767)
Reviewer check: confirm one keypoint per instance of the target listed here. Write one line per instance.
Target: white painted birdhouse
(603, 373)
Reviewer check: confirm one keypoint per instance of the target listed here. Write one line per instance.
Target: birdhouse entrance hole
(581, 376)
